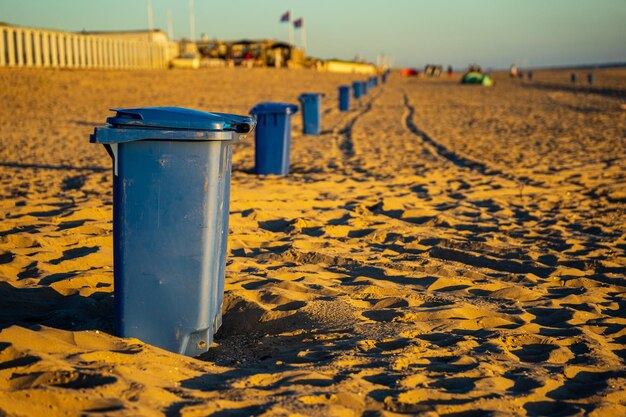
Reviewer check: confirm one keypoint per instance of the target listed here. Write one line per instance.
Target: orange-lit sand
(440, 250)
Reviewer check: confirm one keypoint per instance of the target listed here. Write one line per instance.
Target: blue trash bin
(311, 104)
(171, 191)
(358, 89)
(344, 98)
(364, 87)
(272, 138)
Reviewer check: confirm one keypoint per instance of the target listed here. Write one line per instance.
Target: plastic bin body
(344, 98)
(272, 139)
(364, 87)
(171, 201)
(311, 104)
(358, 90)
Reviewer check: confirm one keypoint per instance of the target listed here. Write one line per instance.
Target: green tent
(477, 78)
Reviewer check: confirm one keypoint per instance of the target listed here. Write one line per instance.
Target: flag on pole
(285, 17)
(297, 23)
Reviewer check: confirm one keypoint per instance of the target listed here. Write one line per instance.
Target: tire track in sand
(346, 146)
(441, 151)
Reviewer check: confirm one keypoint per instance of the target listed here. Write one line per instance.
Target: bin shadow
(54, 167)
(28, 307)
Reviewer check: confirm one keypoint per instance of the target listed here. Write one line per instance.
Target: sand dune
(438, 250)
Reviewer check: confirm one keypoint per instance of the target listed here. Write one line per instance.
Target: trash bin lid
(178, 118)
(171, 123)
(308, 96)
(271, 108)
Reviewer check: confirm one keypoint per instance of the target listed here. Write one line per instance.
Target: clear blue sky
(493, 33)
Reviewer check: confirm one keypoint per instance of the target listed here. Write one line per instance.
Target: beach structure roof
(156, 35)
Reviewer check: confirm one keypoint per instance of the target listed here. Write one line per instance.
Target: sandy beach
(440, 250)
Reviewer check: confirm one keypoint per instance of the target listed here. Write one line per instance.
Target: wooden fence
(25, 47)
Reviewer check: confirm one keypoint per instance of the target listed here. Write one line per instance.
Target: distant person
(520, 74)
(248, 58)
(449, 71)
(513, 71)
(572, 77)
(530, 75)
(590, 78)
(278, 58)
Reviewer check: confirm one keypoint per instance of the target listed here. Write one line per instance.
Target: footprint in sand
(63, 379)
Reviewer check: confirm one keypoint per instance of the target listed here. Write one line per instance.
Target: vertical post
(101, 52)
(3, 48)
(88, 55)
(11, 47)
(133, 64)
(83, 51)
(127, 55)
(54, 49)
(75, 51)
(120, 54)
(96, 51)
(105, 53)
(93, 52)
(28, 47)
(69, 49)
(37, 48)
(114, 55)
(61, 43)
(45, 48)
(141, 53)
(19, 47)
(120, 51)
(109, 53)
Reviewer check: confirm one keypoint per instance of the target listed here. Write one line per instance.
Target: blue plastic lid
(179, 118)
(271, 108)
(307, 96)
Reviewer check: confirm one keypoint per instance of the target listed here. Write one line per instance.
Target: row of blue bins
(273, 131)
(171, 199)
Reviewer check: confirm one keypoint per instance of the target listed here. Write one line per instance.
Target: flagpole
(192, 22)
(150, 18)
(170, 26)
(291, 41)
